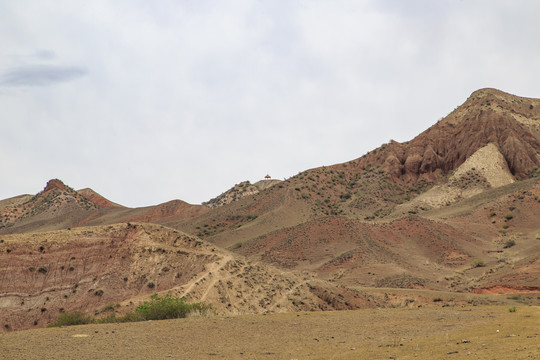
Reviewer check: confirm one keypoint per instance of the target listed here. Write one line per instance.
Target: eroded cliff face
(509, 122)
(114, 268)
(43, 274)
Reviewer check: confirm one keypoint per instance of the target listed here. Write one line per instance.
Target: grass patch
(72, 318)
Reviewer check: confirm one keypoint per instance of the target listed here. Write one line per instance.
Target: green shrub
(72, 318)
(168, 307)
(512, 309)
(509, 217)
(478, 263)
(158, 308)
(509, 244)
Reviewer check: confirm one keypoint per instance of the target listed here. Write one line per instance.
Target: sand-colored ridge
(485, 169)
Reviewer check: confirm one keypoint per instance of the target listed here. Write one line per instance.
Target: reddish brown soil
(309, 240)
(488, 116)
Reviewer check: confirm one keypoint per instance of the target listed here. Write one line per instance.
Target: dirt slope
(59, 206)
(510, 122)
(88, 268)
(239, 191)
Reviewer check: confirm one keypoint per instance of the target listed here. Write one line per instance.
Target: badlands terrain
(447, 224)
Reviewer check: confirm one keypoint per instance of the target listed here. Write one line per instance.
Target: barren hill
(42, 274)
(239, 191)
(455, 209)
(368, 222)
(509, 122)
(59, 206)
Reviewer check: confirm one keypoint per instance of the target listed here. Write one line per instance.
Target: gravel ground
(434, 333)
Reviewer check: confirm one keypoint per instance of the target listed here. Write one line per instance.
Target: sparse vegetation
(509, 244)
(168, 307)
(72, 318)
(158, 308)
(512, 309)
(478, 263)
(237, 245)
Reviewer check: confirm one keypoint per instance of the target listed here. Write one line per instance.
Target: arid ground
(476, 332)
(415, 250)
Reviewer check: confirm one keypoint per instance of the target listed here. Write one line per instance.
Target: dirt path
(434, 333)
(214, 267)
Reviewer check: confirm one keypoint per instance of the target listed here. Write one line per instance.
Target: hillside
(239, 191)
(90, 268)
(59, 206)
(369, 222)
(454, 210)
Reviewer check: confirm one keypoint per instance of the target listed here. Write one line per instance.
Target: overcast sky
(149, 101)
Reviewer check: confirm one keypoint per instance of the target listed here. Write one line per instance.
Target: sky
(149, 101)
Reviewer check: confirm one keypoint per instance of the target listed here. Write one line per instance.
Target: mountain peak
(54, 184)
(488, 91)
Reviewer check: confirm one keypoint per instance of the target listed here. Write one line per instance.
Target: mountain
(452, 211)
(509, 122)
(397, 213)
(59, 206)
(56, 206)
(239, 191)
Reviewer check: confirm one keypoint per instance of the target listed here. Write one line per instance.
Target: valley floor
(483, 332)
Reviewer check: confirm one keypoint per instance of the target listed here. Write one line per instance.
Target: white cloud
(184, 99)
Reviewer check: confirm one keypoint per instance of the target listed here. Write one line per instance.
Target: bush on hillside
(158, 308)
(168, 307)
(478, 263)
(72, 318)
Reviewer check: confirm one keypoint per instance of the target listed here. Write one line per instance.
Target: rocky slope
(116, 267)
(59, 206)
(510, 122)
(365, 222)
(239, 191)
(454, 209)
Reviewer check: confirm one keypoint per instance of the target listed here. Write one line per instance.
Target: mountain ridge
(453, 210)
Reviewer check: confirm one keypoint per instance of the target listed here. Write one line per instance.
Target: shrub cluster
(158, 308)
(478, 263)
(168, 307)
